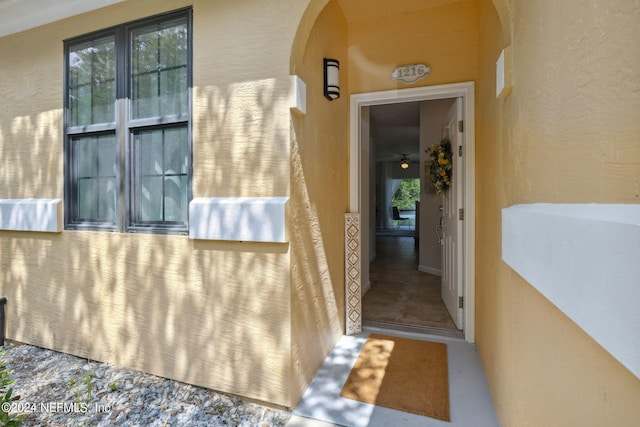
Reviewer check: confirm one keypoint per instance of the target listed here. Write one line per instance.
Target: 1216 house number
(410, 73)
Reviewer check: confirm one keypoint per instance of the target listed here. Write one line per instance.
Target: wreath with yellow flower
(439, 165)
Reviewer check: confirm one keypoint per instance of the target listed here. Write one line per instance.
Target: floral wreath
(439, 165)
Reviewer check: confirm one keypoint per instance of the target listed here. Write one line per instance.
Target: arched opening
(443, 34)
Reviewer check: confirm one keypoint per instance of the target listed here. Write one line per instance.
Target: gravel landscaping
(57, 389)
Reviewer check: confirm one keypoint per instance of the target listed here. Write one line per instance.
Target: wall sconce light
(404, 162)
(331, 79)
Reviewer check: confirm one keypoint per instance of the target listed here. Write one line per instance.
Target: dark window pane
(176, 153)
(150, 153)
(161, 166)
(173, 91)
(145, 50)
(107, 156)
(87, 200)
(92, 71)
(87, 156)
(95, 195)
(145, 88)
(159, 69)
(151, 199)
(107, 199)
(173, 45)
(175, 200)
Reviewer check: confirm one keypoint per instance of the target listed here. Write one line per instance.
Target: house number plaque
(409, 74)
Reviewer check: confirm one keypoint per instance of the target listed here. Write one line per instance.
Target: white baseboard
(430, 270)
(366, 287)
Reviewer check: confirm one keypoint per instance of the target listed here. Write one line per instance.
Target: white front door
(452, 216)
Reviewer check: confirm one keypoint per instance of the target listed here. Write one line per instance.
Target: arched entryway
(380, 37)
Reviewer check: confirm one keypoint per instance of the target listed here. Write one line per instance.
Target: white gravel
(57, 389)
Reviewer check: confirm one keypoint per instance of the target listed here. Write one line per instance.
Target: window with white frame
(128, 126)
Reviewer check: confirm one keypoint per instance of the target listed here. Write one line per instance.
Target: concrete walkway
(322, 405)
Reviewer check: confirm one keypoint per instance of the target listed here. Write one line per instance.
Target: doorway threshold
(428, 330)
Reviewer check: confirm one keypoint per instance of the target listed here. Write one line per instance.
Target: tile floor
(400, 294)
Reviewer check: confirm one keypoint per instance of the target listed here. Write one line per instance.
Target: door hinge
(460, 302)
(461, 214)
(461, 126)
(459, 150)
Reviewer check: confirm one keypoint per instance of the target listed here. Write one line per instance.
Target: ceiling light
(404, 163)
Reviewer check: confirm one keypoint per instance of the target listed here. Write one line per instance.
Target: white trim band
(247, 219)
(43, 215)
(584, 259)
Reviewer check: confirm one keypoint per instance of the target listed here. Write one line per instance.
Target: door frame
(464, 90)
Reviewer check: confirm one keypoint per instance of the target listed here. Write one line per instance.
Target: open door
(452, 216)
(461, 257)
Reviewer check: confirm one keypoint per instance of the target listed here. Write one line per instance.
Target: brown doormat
(404, 374)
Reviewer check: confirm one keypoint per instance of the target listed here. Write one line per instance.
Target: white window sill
(40, 215)
(246, 219)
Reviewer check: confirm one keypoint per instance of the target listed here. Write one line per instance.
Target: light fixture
(331, 79)
(404, 162)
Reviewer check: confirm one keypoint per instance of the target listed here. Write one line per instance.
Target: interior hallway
(401, 296)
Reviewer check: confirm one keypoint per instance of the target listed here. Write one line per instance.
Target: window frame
(124, 128)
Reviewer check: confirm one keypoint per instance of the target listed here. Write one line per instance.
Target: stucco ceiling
(21, 15)
(355, 10)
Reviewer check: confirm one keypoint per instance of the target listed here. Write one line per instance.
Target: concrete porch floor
(322, 405)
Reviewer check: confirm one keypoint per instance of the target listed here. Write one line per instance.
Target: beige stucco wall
(319, 199)
(444, 38)
(568, 133)
(242, 95)
(216, 314)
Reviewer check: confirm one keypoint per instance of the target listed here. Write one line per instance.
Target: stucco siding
(319, 198)
(216, 314)
(567, 133)
(444, 38)
(31, 120)
(212, 314)
(242, 94)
